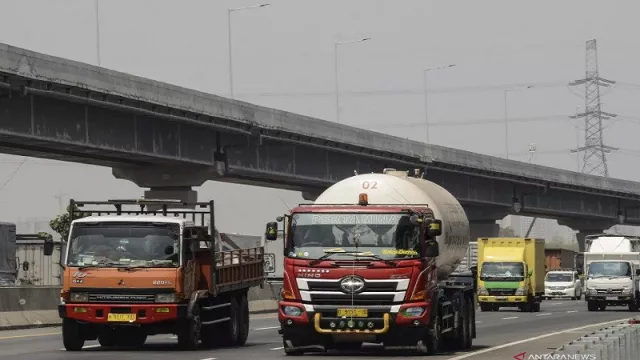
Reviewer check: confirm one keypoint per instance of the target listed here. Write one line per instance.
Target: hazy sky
(283, 58)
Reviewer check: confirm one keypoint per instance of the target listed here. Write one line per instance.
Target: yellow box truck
(510, 273)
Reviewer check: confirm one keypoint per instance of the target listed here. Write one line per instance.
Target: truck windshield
(502, 271)
(386, 236)
(559, 277)
(124, 245)
(609, 269)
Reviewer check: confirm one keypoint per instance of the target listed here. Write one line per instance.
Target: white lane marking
(278, 348)
(267, 328)
(555, 304)
(85, 347)
(572, 311)
(209, 359)
(478, 322)
(494, 348)
(509, 318)
(543, 314)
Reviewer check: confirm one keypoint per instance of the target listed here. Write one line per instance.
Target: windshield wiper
(331, 252)
(99, 265)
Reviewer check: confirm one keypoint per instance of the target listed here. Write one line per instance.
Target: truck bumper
(320, 329)
(610, 299)
(122, 314)
(503, 299)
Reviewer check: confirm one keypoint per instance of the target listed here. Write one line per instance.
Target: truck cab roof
(135, 218)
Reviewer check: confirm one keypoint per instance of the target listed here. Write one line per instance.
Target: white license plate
(611, 298)
(269, 263)
(501, 298)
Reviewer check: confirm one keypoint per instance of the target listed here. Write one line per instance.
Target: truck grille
(501, 292)
(609, 291)
(369, 286)
(374, 292)
(344, 299)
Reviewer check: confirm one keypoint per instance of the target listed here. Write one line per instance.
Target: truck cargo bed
(239, 268)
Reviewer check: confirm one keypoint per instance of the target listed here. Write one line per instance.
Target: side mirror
(63, 253)
(432, 249)
(637, 272)
(434, 229)
(415, 219)
(168, 250)
(530, 273)
(48, 247)
(271, 233)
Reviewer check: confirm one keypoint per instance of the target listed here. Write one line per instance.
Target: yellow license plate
(121, 317)
(353, 312)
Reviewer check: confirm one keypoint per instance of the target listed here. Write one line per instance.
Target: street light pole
(97, 8)
(426, 103)
(335, 67)
(506, 119)
(229, 11)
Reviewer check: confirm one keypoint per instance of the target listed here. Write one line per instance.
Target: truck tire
(633, 306)
(228, 333)
(289, 351)
(243, 320)
(107, 338)
(71, 336)
(434, 336)
(189, 331)
(485, 307)
(592, 305)
(535, 307)
(467, 340)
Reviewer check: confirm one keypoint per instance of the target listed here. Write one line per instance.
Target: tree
(62, 223)
(507, 232)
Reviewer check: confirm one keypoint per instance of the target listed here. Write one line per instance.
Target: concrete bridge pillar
(586, 227)
(581, 237)
(167, 183)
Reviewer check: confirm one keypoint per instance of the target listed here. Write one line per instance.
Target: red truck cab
(358, 273)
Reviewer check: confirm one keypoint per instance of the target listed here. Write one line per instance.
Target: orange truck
(134, 268)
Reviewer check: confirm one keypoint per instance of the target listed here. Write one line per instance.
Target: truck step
(446, 330)
(446, 303)
(215, 321)
(444, 317)
(215, 306)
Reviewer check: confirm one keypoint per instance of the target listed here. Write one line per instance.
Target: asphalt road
(493, 328)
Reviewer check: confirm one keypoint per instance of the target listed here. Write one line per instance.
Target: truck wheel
(290, 352)
(71, 337)
(107, 338)
(434, 336)
(243, 318)
(228, 333)
(485, 307)
(467, 340)
(592, 305)
(633, 306)
(189, 331)
(535, 307)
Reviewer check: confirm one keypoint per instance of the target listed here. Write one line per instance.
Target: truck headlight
(78, 297)
(626, 291)
(413, 311)
(591, 291)
(570, 286)
(292, 311)
(166, 298)
(521, 291)
(483, 291)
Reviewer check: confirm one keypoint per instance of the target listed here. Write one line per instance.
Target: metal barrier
(617, 342)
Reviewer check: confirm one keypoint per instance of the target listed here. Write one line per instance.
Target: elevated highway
(170, 139)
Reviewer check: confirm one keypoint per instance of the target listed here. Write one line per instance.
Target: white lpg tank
(397, 188)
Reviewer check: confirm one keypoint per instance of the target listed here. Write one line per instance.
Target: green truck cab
(510, 273)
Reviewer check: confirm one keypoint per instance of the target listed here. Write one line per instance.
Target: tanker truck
(371, 260)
